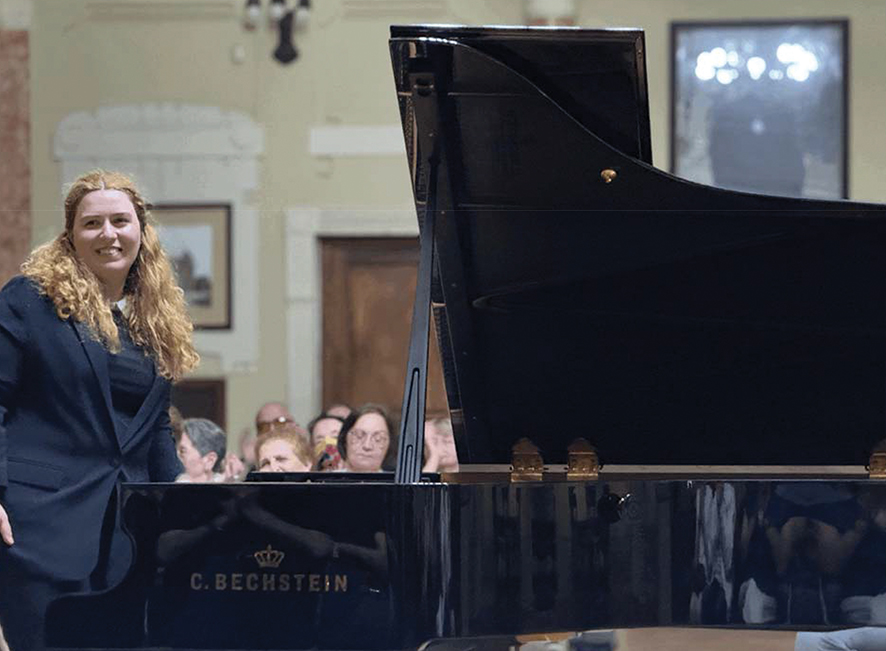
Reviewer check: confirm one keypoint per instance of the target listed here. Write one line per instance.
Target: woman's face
(367, 443)
(196, 467)
(106, 235)
(326, 428)
(277, 455)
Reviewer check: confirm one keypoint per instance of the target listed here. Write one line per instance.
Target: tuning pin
(276, 10)
(252, 14)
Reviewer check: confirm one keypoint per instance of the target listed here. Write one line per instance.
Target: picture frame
(762, 106)
(197, 239)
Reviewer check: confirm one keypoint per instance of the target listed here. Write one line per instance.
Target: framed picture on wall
(761, 106)
(197, 239)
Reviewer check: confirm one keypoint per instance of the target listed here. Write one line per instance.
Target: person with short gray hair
(201, 448)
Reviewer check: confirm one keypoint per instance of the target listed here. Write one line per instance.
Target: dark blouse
(131, 373)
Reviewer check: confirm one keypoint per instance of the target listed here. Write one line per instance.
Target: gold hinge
(526, 461)
(877, 465)
(583, 464)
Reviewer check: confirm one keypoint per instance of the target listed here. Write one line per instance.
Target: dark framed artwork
(201, 399)
(197, 239)
(761, 106)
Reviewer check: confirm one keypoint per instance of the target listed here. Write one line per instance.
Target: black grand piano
(668, 399)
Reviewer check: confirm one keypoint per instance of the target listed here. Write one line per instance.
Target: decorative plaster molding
(340, 141)
(185, 154)
(304, 314)
(158, 130)
(161, 9)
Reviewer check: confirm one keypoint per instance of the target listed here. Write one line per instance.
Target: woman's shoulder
(22, 293)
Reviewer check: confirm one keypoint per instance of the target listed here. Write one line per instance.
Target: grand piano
(669, 399)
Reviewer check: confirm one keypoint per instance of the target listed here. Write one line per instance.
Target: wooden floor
(694, 639)
(702, 639)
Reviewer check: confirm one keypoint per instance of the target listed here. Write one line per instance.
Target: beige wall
(91, 53)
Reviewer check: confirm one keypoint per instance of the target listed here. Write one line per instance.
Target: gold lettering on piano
(268, 582)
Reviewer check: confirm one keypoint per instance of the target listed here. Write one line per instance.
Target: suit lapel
(148, 407)
(98, 358)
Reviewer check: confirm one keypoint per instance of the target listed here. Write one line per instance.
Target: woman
(324, 431)
(367, 442)
(283, 450)
(84, 396)
(201, 448)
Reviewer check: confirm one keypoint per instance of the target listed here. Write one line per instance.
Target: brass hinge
(583, 464)
(877, 465)
(526, 461)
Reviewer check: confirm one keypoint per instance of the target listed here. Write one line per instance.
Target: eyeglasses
(377, 439)
(277, 423)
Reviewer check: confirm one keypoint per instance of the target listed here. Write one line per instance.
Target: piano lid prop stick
(412, 421)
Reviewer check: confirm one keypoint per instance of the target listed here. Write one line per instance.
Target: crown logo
(269, 557)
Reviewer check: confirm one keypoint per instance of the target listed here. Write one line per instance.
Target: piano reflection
(668, 399)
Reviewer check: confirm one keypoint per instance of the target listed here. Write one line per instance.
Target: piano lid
(582, 292)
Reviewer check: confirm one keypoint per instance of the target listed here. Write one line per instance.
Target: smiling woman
(106, 235)
(84, 397)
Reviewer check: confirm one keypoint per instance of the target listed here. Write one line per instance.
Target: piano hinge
(583, 464)
(877, 465)
(526, 461)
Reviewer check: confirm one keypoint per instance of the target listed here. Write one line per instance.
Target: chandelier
(283, 15)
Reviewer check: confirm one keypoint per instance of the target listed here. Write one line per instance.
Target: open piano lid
(664, 321)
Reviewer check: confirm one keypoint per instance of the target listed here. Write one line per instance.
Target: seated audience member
(247, 449)
(368, 440)
(283, 450)
(175, 421)
(439, 451)
(339, 409)
(201, 449)
(324, 430)
(272, 415)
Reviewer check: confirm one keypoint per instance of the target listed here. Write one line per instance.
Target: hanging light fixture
(302, 13)
(285, 16)
(252, 14)
(277, 10)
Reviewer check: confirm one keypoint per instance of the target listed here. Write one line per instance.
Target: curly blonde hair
(155, 305)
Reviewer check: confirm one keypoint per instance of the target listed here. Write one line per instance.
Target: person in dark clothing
(91, 336)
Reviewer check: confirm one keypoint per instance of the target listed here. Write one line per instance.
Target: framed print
(197, 239)
(761, 106)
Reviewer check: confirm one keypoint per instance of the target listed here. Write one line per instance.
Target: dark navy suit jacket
(62, 451)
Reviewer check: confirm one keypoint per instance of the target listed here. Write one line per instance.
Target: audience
(339, 409)
(367, 442)
(201, 448)
(247, 449)
(324, 430)
(439, 453)
(272, 415)
(283, 450)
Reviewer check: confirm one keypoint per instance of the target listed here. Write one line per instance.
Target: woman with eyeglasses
(368, 440)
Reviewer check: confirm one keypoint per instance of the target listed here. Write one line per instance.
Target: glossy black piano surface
(382, 566)
(663, 321)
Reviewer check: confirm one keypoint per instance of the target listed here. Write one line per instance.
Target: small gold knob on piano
(608, 175)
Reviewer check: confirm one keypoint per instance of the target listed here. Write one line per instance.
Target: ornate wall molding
(183, 153)
(125, 10)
